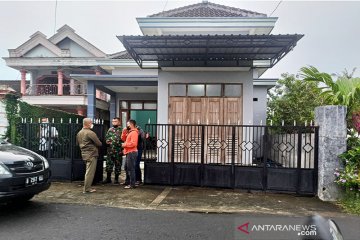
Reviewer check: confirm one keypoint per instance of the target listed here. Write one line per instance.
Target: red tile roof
(207, 9)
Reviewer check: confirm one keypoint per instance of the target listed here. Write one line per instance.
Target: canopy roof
(209, 50)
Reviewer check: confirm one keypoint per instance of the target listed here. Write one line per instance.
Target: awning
(209, 50)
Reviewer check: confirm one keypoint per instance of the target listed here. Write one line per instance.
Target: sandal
(90, 191)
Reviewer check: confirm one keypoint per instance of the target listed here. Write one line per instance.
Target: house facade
(198, 64)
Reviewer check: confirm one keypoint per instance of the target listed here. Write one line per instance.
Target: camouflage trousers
(113, 161)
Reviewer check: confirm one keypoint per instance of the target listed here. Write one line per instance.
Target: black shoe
(108, 179)
(116, 180)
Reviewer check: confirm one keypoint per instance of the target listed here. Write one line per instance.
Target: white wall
(205, 77)
(40, 51)
(3, 119)
(260, 105)
(136, 70)
(75, 49)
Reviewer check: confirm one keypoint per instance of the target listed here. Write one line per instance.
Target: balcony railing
(52, 89)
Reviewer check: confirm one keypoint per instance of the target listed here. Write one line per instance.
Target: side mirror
(325, 229)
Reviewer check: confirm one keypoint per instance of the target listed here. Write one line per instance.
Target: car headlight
(4, 171)
(46, 163)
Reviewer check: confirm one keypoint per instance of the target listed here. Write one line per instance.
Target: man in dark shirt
(89, 144)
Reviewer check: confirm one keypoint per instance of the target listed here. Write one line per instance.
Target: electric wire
(275, 8)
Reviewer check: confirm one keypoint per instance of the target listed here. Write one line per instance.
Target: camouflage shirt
(113, 138)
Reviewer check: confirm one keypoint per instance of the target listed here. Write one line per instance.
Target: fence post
(298, 169)
(233, 156)
(202, 155)
(72, 146)
(332, 142)
(316, 158)
(27, 145)
(172, 164)
(265, 157)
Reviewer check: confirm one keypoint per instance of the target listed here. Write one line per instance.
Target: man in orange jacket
(130, 137)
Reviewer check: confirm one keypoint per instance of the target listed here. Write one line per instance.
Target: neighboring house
(49, 62)
(196, 64)
(4, 89)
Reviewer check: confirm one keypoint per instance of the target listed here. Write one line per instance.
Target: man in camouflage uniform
(114, 151)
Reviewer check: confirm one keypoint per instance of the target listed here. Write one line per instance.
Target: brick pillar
(60, 82)
(332, 142)
(23, 82)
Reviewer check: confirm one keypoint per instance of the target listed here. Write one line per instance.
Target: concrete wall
(205, 77)
(260, 105)
(332, 143)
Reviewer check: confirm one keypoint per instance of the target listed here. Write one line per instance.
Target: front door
(205, 111)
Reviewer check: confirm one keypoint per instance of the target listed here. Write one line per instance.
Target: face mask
(128, 127)
(91, 126)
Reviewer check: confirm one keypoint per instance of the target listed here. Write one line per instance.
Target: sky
(331, 28)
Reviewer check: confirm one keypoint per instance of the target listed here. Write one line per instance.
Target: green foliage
(293, 100)
(344, 91)
(11, 109)
(349, 177)
(17, 110)
(30, 111)
(351, 202)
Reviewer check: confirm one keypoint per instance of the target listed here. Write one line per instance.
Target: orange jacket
(131, 142)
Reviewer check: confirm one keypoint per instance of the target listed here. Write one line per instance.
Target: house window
(177, 90)
(213, 90)
(136, 106)
(150, 106)
(232, 90)
(208, 90)
(196, 90)
(124, 105)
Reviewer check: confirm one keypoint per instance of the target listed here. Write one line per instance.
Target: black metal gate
(268, 158)
(59, 147)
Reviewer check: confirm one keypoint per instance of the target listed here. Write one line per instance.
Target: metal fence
(257, 149)
(57, 143)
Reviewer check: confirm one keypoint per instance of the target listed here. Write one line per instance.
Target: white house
(195, 64)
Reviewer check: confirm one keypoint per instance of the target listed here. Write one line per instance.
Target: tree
(344, 91)
(293, 100)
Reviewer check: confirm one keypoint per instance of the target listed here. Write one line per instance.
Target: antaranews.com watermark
(259, 228)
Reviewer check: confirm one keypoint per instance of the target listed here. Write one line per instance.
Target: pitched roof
(51, 44)
(207, 9)
(120, 55)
